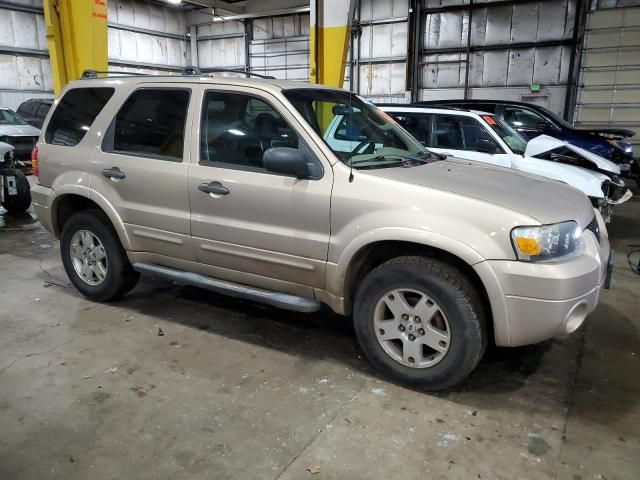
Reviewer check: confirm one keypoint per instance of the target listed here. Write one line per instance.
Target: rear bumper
(532, 302)
(40, 199)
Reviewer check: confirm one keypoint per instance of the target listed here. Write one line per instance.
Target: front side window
(74, 115)
(357, 132)
(521, 118)
(237, 129)
(151, 123)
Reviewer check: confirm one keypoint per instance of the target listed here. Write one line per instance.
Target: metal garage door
(609, 93)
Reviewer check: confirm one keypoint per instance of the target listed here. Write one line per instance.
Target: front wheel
(420, 321)
(21, 200)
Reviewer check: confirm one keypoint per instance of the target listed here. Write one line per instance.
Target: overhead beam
(219, 4)
(329, 40)
(77, 38)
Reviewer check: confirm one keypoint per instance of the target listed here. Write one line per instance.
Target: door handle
(213, 187)
(113, 172)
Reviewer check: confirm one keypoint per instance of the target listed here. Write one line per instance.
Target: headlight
(547, 243)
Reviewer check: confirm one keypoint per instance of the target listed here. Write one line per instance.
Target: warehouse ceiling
(245, 6)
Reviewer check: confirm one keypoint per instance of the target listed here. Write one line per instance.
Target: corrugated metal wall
(495, 72)
(24, 63)
(609, 92)
(277, 46)
(143, 37)
(143, 34)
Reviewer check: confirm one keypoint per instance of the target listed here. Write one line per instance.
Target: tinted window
(151, 123)
(75, 114)
(26, 108)
(520, 118)
(417, 124)
(237, 130)
(43, 110)
(459, 133)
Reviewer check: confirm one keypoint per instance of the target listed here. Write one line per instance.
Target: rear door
(261, 228)
(141, 168)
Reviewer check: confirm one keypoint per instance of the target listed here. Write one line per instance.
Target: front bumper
(532, 302)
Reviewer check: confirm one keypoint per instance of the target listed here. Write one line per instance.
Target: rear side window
(75, 114)
(151, 123)
(417, 124)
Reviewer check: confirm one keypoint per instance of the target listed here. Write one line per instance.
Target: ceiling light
(175, 2)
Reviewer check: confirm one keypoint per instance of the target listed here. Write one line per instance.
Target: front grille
(593, 226)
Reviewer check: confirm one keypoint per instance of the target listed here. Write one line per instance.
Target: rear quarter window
(75, 114)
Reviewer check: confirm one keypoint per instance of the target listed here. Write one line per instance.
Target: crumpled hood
(19, 131)
(545, 143)
(545, 200)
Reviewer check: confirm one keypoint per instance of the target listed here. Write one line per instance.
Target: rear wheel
(93, 257)
(21, 201)
(421, 322)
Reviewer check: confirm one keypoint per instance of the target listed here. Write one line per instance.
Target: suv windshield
(355, 130)
(514, 141)
(9, 117)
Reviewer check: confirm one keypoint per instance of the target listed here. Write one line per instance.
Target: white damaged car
(482, 137)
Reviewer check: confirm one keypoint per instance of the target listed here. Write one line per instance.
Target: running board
(276, 299)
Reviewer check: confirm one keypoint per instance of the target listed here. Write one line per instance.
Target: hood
(4, 148)
(545, 143)
(613, 133)
(19, 131)
(544, 200)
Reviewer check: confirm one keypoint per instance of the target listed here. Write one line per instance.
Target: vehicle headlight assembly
(548, 243)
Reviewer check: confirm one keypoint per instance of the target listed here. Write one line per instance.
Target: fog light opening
(576, 317)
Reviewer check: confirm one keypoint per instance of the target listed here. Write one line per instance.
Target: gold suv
(232, 185)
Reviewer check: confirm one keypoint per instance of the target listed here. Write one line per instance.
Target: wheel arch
(70, 201)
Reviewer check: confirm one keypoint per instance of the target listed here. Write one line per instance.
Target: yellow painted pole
(77, 38)
(330, 30)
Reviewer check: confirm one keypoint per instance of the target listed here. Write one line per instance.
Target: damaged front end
(614, 189)
(615, 192)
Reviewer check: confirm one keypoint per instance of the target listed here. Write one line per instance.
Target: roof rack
(189, 70)
(232, 70)
(95, 73)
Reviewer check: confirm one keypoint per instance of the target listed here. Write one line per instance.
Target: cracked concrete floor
(241, 391)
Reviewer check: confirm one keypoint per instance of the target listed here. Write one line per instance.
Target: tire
(448, 341)
(117, 276)
(17, 203)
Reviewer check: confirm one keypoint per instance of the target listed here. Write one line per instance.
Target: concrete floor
(242, 391)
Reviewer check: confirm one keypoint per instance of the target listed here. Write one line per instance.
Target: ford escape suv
(228, 184)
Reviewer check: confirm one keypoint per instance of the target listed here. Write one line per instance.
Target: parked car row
(299, 195)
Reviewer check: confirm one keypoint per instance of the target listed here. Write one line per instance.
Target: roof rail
(95, 73)
(242, 72)
(189, 70)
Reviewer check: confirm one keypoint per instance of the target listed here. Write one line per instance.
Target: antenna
(349, 110)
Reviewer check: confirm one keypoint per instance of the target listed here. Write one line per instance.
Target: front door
(245, 220)
(142, 166)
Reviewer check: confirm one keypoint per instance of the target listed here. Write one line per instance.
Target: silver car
(17, 132)
(228, 184)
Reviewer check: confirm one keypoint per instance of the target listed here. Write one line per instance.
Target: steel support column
(77, 38)
(329, 40)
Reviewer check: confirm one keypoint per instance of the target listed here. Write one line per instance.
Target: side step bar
(276, 299)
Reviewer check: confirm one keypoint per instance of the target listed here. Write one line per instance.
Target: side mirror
(486, 146)
(543, 127)
(286, 161)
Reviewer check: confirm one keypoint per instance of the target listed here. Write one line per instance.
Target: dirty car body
(229, 184)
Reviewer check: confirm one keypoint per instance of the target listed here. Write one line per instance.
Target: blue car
(533, 120)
